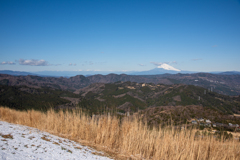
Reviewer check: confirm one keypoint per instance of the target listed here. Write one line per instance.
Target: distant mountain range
(230, 73)
(16, 73)
(221, 83)
(155, 71)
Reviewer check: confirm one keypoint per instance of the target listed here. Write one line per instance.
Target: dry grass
(236, 115)
(128, 138)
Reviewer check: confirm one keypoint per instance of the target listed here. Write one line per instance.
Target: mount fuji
(162, 69)
(165, 66)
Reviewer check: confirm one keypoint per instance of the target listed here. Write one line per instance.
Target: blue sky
(119, 35)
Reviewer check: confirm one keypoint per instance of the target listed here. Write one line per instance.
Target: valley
(156, 98)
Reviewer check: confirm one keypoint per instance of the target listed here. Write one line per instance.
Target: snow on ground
(24, 143)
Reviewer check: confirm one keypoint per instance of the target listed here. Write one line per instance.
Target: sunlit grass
(129, 137)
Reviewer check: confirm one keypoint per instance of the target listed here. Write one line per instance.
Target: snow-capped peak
(167, 67)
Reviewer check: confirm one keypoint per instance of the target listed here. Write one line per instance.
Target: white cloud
(33, 62)
(7, 62)
(156, 63)
(197, 59)
(160, 63)
(72, 64)
(141, 65)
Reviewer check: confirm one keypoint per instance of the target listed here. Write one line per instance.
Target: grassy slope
(128, 137)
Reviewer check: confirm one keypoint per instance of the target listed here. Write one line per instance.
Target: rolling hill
(223, 84)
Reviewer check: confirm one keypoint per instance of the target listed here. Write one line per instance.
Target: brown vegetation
(126, 138)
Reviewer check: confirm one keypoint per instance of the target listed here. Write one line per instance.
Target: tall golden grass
(129, 137)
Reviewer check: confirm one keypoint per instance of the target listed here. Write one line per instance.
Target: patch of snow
(26, 143)
(168, 67)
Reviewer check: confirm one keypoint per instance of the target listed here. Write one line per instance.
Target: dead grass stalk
(129, 137)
